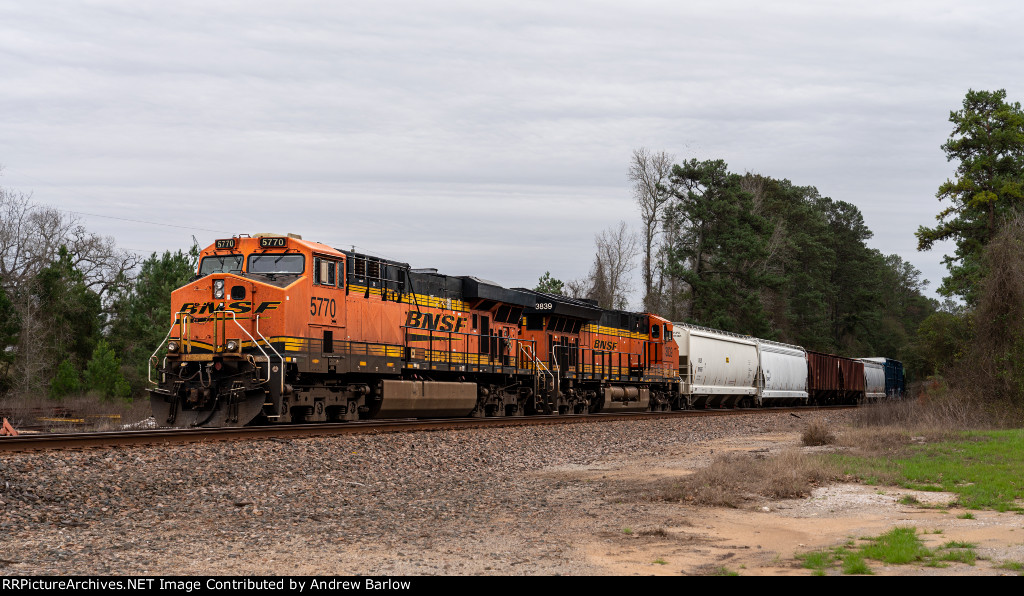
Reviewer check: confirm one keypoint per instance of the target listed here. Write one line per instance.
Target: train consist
(279, 329)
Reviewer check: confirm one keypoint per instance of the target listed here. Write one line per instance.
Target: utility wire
(152, 223)
(92, 198)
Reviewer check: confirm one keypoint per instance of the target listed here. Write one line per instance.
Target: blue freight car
(895, 379)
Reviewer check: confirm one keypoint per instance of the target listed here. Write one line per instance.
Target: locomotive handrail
(183, 317)
(271, 346)
(149, 363)
(537, 362)
(465, 354)
(255, 343)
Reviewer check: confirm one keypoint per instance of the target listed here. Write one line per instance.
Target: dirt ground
(762, 538)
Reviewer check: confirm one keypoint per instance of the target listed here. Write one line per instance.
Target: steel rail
(169, 436)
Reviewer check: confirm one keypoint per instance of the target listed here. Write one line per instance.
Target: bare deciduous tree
(673, 291)
(31, 236)
(650, 174)
(609, 278)
(578, 288)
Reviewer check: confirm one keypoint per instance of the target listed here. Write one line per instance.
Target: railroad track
(165, 436)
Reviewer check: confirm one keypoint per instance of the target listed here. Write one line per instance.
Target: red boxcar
(834, 379)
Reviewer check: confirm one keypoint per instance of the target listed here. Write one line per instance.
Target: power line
(152, 223)
(142, 221)
(92, 198)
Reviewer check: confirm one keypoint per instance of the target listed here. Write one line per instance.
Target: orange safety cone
(8, 430)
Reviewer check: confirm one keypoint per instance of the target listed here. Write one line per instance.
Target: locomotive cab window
(655, 331)
(324, 271)
(221, 264)
(277, 264)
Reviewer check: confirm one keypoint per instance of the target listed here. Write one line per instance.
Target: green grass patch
(983, 468)
(724, 571)
(850, 561)
(959, 544)
(967, 556)
(818, 560)
(854, 564)
(898, 546)
(967, 515)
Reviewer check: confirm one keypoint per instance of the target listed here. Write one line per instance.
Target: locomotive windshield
(274, 264)
(221, 264)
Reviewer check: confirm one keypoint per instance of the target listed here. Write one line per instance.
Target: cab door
(326, 306)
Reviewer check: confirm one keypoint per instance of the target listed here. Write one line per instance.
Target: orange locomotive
(279, 329)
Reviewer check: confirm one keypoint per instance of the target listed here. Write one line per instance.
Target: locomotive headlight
(232, 345)
(172, 346)
(218, 289)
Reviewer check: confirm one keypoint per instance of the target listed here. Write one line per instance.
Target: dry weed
(940, 410)
(817, 433)
(877, 440)
(735, 478)
(74, 414)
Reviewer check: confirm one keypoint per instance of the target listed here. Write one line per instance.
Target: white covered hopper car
(782, 374)
(716, 368)
(723, 369)
(874, 379)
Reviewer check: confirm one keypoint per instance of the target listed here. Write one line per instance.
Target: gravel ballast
(444, 502)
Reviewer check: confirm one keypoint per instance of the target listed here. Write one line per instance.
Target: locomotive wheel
(244, 411)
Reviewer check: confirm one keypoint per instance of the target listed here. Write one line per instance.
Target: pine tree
(10, 328)
(988, 144)
(103, 373)
(719, 248)
(143, 312)
(550, 285)
(73, 311)
(66, 382)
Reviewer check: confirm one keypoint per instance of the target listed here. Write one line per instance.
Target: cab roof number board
(224, 244)
(273, 242)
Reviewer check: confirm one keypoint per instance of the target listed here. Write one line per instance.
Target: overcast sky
(482, 138)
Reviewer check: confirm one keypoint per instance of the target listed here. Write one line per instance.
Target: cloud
(506, 124)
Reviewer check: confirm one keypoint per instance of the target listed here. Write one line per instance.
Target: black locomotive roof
(432, 283)
(561, 305)
(474, 287)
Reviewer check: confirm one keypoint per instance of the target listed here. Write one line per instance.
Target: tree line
(746, 253)
(762, 256)
(979, 344)
(77, 313)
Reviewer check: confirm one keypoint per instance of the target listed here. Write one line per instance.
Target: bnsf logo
(438, 322)
(240, 306)
(605, 345)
